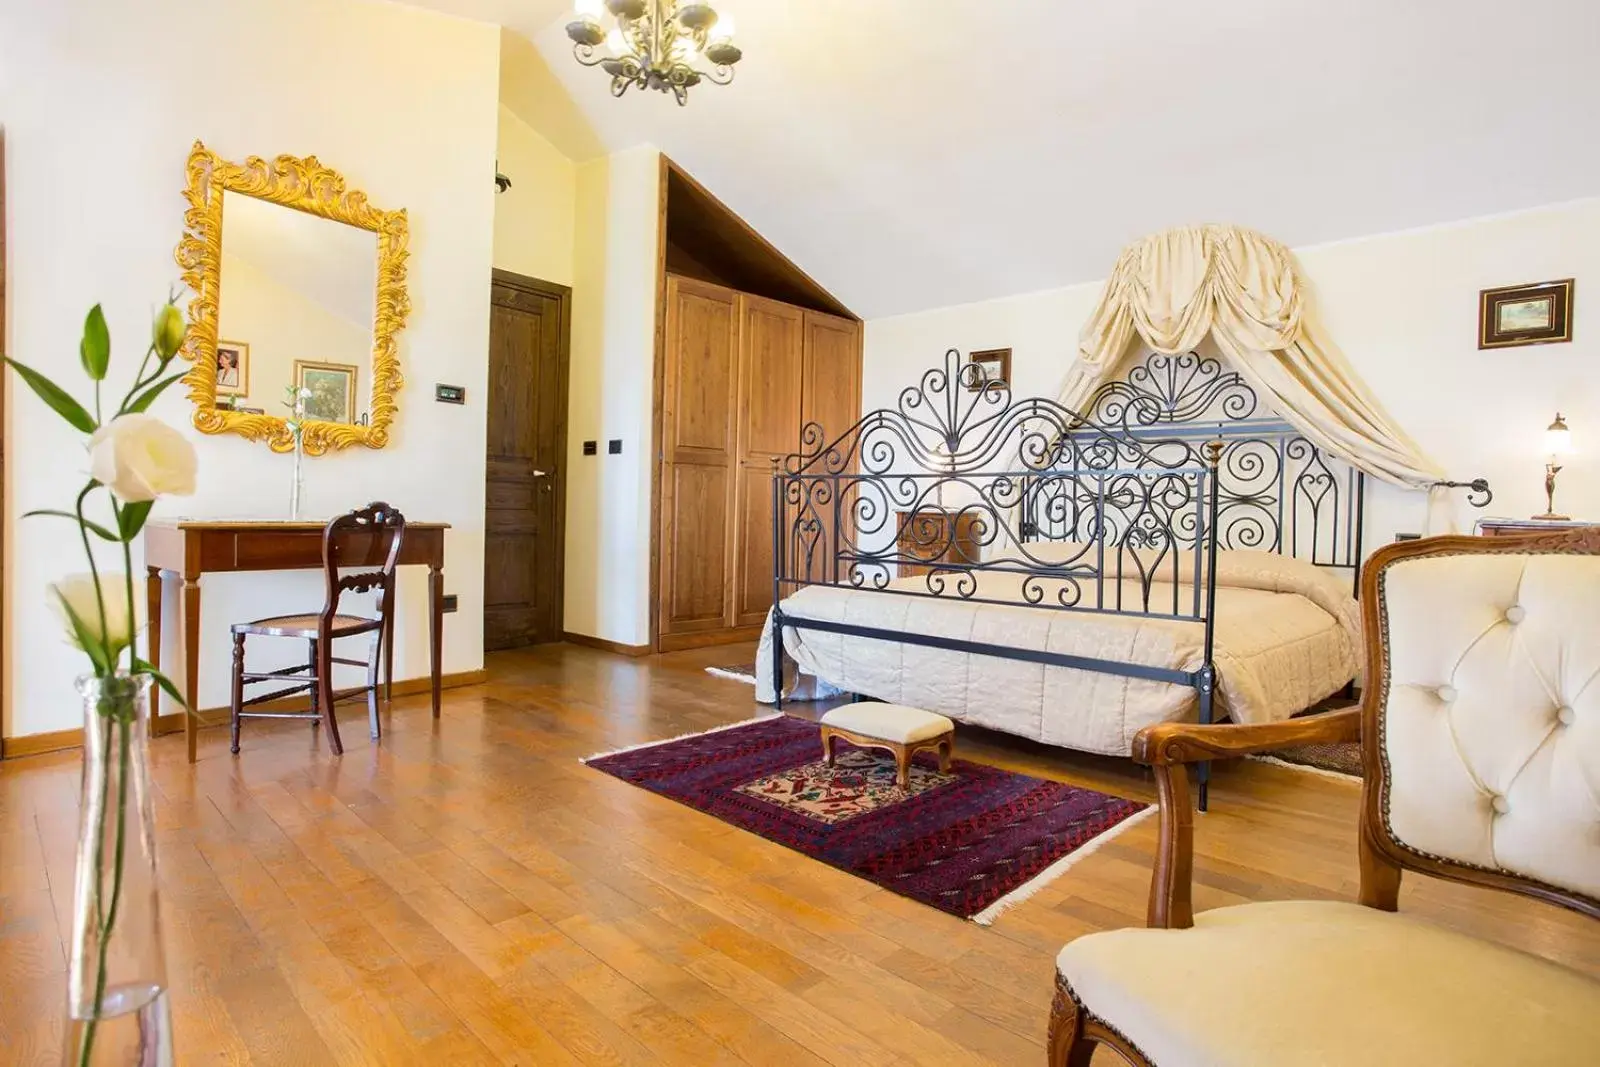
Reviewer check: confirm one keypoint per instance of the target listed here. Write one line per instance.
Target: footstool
(903, 731)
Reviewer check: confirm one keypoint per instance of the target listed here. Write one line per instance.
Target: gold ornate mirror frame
(305, 185)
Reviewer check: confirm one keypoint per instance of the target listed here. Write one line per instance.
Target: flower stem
(108, 923)
(94, 574)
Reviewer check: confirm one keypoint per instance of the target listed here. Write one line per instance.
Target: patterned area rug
(971, 843)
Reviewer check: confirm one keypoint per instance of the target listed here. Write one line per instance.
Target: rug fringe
(988, 915)
(1307, 768)
(681, 737)
(723, 672)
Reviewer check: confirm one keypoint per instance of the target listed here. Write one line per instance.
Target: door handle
(541, 474)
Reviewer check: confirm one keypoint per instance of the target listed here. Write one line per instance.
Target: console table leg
(191, 658)
(152, 652)
(435, 629)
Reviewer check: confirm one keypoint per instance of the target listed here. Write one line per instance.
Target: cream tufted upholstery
(1490, 725)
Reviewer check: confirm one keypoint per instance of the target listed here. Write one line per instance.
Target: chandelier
(666, 45)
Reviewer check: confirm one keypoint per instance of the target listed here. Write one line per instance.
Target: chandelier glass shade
(666, 45)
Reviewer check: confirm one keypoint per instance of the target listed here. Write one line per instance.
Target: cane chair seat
(1303, 983)
(306, 626)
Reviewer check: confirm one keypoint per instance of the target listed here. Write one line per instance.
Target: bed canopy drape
(1241, 292)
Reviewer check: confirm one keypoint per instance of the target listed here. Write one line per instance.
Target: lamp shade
(1558, 438)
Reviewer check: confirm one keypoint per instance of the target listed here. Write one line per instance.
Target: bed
(1171, 552)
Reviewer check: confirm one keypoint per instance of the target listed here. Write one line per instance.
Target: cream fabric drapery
(1240, 289)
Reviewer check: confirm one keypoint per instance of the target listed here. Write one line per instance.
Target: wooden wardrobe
(741, 375)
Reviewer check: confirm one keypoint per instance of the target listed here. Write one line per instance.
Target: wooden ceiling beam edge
(795, 275)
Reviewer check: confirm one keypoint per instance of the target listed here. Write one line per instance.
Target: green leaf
(86, 639)
(58, 399)
(93, 527)
(148, 397)
(141, 666)
(130, 519)
(95, 348)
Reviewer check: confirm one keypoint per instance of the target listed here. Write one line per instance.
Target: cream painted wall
(534, 220)
(101, 100)
(613, 360)
(1403, 307)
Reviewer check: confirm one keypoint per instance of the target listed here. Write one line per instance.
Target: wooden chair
(365, 538)
(1480, 731)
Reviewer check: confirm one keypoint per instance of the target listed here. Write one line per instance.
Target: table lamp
(1557, 443)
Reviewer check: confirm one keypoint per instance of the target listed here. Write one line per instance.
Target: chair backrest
(367, 543)
(1481, 716)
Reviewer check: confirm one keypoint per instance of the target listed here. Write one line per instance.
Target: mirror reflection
(297, 298)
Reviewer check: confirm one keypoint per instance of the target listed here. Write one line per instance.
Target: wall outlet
(452, 602)
(591, 447)
(614, 446)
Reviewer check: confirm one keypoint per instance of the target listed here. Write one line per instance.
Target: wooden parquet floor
(470, 893)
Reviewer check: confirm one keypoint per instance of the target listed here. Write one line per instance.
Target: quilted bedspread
(1287, 635)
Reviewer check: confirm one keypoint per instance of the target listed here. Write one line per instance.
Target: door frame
(562, 294)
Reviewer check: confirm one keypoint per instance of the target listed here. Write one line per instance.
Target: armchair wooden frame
(1167, 748)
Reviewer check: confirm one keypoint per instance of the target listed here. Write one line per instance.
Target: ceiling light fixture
(666, 45)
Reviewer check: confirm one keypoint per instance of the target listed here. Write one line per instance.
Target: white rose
(76, 591)
(139, 457)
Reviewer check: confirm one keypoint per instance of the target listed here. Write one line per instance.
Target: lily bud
(168, 332)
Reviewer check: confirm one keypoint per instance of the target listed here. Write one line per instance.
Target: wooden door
(771, 366)
(831, 400)
(699, 395)
(524, 519)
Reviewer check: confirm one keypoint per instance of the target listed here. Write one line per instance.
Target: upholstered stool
(903, 731)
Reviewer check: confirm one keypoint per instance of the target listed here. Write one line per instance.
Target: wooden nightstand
(1512, 527)
(927, 535)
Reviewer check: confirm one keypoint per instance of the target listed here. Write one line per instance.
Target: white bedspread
(1287, 635)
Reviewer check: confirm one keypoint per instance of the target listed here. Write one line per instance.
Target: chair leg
(236, 705)
(374, 659)
(902, 765)
(323, 687)
(311, 669)
(1068, 1045)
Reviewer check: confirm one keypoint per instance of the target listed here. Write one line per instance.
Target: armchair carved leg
(1069, 1045)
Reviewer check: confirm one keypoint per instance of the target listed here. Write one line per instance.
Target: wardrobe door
(771, 366)
(699, 468)
(830, 404)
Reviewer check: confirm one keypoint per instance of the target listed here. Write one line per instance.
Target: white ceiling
(915, 153)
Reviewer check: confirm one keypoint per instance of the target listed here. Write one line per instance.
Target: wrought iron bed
(1176, 461)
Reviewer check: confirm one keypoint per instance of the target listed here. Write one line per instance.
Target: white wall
(1404, 309)
(101, 100)
(613, 364)
(534, 220)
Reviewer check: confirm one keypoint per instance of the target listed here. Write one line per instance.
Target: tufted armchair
(1480, 730)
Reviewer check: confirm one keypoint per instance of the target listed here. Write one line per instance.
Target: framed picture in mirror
(233, 368)
(994, 364)
(332, 387)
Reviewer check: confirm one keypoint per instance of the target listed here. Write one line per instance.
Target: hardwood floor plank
(468, 892)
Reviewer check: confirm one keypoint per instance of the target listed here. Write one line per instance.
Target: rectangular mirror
(299, 291)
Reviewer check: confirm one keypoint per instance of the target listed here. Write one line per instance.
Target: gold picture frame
(312, 374)
(304, 184)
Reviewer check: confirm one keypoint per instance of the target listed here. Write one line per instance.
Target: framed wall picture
(333, 390)
(233, 368)
(996, 364)
(1536, 314)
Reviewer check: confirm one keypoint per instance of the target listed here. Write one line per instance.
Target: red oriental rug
(971, 843)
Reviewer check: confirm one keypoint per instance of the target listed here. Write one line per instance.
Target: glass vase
(298, 485)
(117, 1011)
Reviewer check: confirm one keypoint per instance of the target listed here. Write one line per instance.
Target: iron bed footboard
(1167, 467)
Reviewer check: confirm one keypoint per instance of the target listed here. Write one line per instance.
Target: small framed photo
(332, 387)
(1537, 314)
(995, 364)
(233, 368)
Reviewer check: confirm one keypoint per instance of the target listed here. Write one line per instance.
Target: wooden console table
(191, 549)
